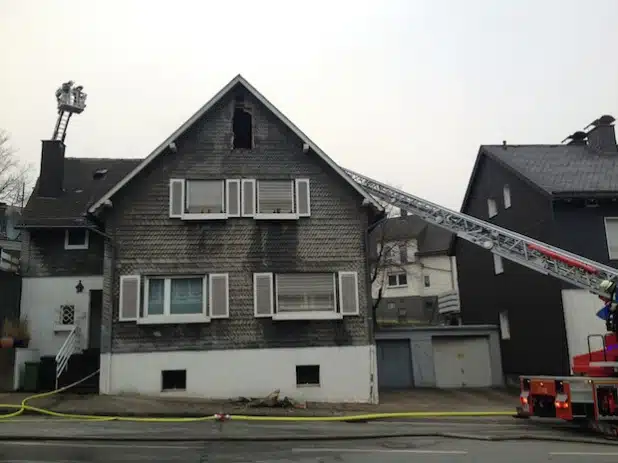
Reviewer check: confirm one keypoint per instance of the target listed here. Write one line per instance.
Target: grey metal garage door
(394, 364)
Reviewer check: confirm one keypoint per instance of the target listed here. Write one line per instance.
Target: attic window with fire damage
(242, 125)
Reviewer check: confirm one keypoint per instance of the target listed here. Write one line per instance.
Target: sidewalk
(415, 400)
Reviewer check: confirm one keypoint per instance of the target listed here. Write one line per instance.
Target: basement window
(242, 125)
(307, 375)
(174, 380)
(76, 238)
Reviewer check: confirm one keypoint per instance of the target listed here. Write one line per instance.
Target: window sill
(215, 216)
(301, 386)
(173, 319)
(76, 247)
(58, 327)
(397, 286)
(307, 316)
(285, 216)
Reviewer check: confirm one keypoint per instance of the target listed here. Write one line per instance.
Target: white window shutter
(348, 293)
(232, 197)
(263, 295)
(218, 295)
(303, 197)
(248, 197)
(177, 198)
(130, 298)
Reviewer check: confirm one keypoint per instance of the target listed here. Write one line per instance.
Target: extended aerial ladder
(593, 395)
(71, 100)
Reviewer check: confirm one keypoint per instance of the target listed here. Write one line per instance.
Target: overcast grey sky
(402, 90)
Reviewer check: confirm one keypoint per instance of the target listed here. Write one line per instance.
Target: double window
(397, 279)
(194, 199)
(174, 299)
(305, 296)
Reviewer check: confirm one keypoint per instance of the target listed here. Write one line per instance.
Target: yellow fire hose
(24, 407)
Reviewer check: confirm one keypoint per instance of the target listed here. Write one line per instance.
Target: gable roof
(201, 112)
(80, 190)
(430, 238)
(552, 169)
(561, 168)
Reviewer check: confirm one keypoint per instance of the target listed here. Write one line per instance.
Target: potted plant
(15, 333)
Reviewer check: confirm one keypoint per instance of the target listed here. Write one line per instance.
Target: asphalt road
(386, 450)
(37, 440)
(38, 428)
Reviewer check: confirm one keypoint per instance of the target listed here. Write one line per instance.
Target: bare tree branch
(15, 176)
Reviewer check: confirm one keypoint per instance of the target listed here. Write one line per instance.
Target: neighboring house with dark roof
(565, 195)
(232, 261)
(414, 272)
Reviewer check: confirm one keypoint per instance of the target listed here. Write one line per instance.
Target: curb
(287, 438)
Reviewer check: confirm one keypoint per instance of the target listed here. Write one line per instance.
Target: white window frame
(397, 274)
(498, 264)
(307, 314)
(607, 236)
(275, 216)
(168, 317)
(198, 216)
(505, 328)
(71, 247)
(492, 208)
(506, 193)
(243, 183)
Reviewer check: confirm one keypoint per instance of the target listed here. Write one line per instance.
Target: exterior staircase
(71, 364)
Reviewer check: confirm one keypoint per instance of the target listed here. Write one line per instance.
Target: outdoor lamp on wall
(79, 287)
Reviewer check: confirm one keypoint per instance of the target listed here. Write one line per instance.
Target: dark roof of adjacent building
(559, 168)
(431, 240)
(81, 189)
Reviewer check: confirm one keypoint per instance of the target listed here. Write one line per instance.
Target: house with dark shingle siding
(231, 261)
(565, 195)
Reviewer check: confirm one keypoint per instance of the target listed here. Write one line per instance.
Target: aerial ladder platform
(71, 100)
(589, 396)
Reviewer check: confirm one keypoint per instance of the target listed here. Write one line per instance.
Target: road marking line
(68, 443)
(355, 450)
(584, 454)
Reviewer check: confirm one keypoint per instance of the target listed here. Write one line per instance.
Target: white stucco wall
(40, 300)
(580, 308)
(346, 373)
(440, 269)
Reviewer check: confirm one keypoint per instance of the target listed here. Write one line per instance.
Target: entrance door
(94, 323)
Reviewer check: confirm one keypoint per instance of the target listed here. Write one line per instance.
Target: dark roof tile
(80, 190)
(561, 168)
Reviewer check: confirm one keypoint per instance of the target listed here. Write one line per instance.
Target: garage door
(462, 362)
(394, 364)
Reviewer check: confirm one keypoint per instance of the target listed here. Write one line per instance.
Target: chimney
(602, 136)
(578, 138)
(403, 213)
(51, 178)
